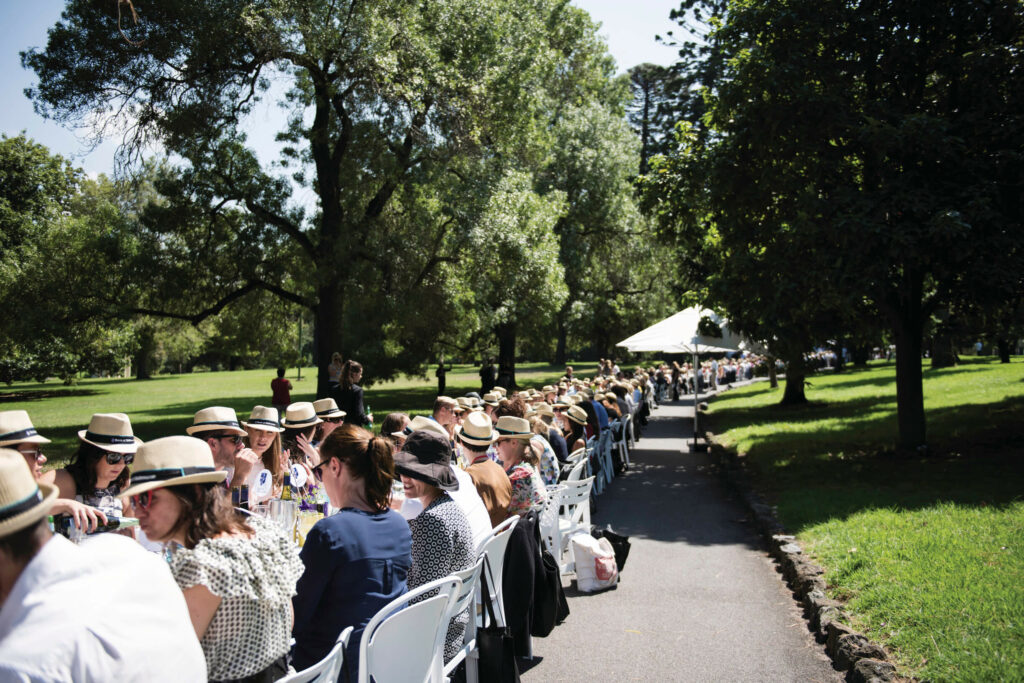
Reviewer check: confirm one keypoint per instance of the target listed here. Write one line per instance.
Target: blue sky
(628, 26)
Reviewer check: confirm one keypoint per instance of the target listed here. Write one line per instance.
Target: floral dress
(548, 462)
(255, 579)
(528, 490)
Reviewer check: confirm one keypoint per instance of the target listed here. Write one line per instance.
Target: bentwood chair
(467, 600)
(494, 548)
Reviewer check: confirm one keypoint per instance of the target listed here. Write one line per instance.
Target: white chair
(328, 668)
(493, 548)
(576, 473)
(467, 600)
(577, 455)
(573, 518)
(548, 521)
(594, 454)
(624, 440)
(405, 642)
(604, 450)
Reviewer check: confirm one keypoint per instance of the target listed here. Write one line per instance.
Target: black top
(558, 444)
(351, 401)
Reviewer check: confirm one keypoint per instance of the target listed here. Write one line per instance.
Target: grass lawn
(165, 405)
(928, 553)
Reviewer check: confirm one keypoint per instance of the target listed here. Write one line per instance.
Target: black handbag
(550, 607)
(497, 659)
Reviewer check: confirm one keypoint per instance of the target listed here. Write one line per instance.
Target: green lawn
(165, 405)
(928, 553)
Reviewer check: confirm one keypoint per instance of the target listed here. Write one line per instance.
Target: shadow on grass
(814, 476)
(40, 394)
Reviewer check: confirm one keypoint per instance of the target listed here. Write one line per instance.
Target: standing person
(350, 395)
(358, 559)
(220, 428)
(282, 391)
(488, 376)
(105, 610)
(334, 373)
(98, 472)
(440, 374)
(237, 572)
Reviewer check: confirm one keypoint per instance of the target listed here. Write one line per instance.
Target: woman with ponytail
(356, 560)
(350, 395)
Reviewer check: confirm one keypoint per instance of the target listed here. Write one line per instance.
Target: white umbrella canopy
(679, 333)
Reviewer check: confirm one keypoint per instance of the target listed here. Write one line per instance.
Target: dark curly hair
(515, 406)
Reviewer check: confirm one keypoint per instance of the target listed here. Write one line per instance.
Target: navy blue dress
(356, 562)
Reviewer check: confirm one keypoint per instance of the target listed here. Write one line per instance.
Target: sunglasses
(318, 471)
(114, 458)
(334, 420)
(143, 500)
(233, 438)
(36, 455)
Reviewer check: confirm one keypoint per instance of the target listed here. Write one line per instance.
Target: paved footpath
(699, 599)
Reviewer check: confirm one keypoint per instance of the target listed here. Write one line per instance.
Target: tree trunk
(563, 334)
(909, 392)
(861, 354)
(327, 334)
(147, 342)
(773, 373)
(943, 351)
(506, 355)
(1004, 350)
(840, 361)
(794, 394)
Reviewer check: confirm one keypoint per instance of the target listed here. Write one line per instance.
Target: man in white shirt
(105, 610)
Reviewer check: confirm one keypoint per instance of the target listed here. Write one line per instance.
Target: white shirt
(472, 504)
(106, 610)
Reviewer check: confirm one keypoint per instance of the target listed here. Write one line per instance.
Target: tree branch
(283, 224)
(249, 287)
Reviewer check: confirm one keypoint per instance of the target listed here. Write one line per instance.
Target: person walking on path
(281, 390)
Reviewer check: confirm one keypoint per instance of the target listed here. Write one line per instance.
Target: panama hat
(543, 408)
(427, 456)
(424, 424)
(327, 407)
(16, 427)
(111, 432)
(265, 419)
(510, 427)
(477, 430)
(500, 390)
(492, 399)
(216, 419)
(577, 415)
(173, 461)
(463, 404)
(23, 501)
(300, 415)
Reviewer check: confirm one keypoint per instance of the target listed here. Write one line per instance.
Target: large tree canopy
(391, 103)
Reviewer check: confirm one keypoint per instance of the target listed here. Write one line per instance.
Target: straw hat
(548, 389)
(510, 427)
(265, 419)
(464, 404)
(500, 390)
(577, 415)
(427, 456)
(492, 399)
(477, 430)
(300, 415)
(216, 419)
(424, 424)
(111, 432)
(578, 398)
(23, 501)
(543, 408)
(327, 407)
(15, 427)
(173, 461)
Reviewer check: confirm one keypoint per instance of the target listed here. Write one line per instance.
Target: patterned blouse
(442, 543)
(548, 463)
(255, 578)
(107, 500)
(528, 490)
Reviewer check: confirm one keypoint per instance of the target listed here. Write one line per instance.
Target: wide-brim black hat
(427, 457)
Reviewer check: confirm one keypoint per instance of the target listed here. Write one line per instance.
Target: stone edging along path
(863, 660)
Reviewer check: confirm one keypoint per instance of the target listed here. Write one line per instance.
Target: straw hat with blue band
(264, 418)
(16, 427)
(23, 501)
(327, 407)
(509, 427)
(111, 432)
(173, 461)
(300, 415)
(216, 419)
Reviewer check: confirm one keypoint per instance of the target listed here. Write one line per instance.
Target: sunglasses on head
(143, 500)
(114, 458)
